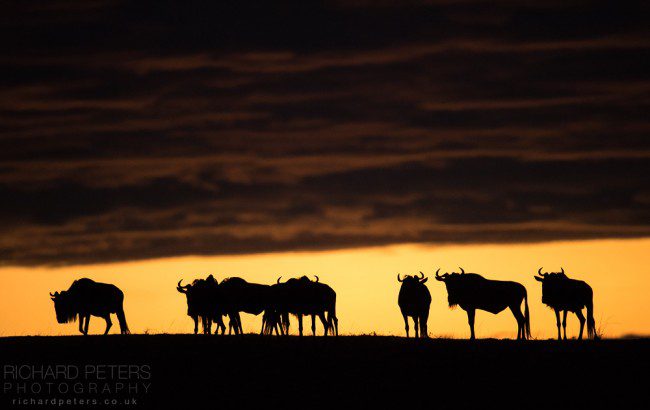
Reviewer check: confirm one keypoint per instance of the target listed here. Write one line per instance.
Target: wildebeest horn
(462, 271)
(278, 281)
(421, 275)
(539, 272)
(316, 278)
(562, 270)
(52, 294)
(398, 278)
(181, 288)
(437, 274)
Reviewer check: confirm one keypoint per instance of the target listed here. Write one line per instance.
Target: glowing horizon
(365, 282)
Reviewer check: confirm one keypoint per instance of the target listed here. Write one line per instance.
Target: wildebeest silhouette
(414, 301)
(472, 291)
(236, 295)
(201, 304)
(568, 295)
(84, 298)
(302, 296)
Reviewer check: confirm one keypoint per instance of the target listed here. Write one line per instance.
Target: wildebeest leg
(279, 324)
(219, 322)
(521, 322)
(564, 322)
(471, 313)
(406, 324)
(313, 325)
(417, 326)
(196, 324)
(424, 331)
(109, 323)
(286, 323)
(581, 318)
(81, 324)
(323, 320)
(238, 326)
(557, 320)
(300, 324)
(87, 324)
(207, 325)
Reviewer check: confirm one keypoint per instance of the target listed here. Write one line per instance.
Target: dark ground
(190, 371)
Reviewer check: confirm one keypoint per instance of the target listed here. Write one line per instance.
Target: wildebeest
(236, 295)
(84, 298)
(201, 295)
(302, 296)
(568, 295)
(414, 300)
(471, 291)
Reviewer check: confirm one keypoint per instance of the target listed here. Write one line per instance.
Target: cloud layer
(143, 130)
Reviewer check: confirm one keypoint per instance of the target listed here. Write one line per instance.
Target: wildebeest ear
(538, 278)
(424, 280)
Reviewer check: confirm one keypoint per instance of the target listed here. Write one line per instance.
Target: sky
(365, 281)
(133, 133)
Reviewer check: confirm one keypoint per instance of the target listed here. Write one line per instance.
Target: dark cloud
(145, 129)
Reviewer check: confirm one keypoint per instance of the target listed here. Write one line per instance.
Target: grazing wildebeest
(236, 295)
(471, 291)
(84, 298)
(302, 296)
(414, 300)
(201, 295)
(568, 295)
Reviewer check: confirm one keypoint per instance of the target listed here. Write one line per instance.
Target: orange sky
(365, 282)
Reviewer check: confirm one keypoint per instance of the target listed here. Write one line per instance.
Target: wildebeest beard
(65, 308)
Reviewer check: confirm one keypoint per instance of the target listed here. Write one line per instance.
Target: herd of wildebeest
(209, 301)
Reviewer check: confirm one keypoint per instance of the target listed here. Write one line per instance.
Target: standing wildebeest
(201, 295)
(86, 297)
(568, 295)
(236, 295)
(414, 300)
(472, 291)
(302, 296)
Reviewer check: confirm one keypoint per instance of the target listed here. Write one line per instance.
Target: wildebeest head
(460, 286)
(414, 297)
(411, 280)
(550, 276)
(64, 306)
(554, 289)
(196, 294)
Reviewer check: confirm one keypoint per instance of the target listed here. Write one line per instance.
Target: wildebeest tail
(591, 323)
(526, 314)
(124, 328)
